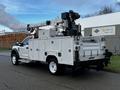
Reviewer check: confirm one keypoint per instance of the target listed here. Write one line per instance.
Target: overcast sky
(34, 11)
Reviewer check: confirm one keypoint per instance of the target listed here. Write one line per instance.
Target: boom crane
(67, 22)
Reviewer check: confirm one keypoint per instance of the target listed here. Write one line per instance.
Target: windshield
(26, 41)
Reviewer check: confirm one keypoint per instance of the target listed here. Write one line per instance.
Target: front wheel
(14, 59)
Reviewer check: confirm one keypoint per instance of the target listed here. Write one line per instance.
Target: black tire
(14, 59)
(100, 66)
(54, 68)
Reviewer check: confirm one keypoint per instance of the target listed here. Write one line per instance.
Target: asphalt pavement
(36, 77)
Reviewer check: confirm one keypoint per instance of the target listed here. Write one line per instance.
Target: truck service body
(59, 46)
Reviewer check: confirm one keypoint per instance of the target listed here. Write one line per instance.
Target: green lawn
(115, 64)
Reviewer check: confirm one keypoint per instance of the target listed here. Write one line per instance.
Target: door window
(26, 41)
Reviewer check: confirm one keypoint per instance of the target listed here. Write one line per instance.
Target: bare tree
(118, 3)
(106, 10)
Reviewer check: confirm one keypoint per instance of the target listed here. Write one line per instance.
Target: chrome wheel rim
(13, 59)
(53, 67)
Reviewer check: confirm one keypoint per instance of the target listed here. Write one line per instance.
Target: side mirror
(20, 44)
(17, 43)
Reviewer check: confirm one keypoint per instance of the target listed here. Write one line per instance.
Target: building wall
(113, 44)
(88, 31)
(100, 20)
(117, 30)
(2, 32)
(6, 41)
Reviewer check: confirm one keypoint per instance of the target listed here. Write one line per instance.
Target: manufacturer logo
(97, 31)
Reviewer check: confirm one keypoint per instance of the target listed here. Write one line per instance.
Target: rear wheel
(100, 66)
(14, 59)
(54, 68)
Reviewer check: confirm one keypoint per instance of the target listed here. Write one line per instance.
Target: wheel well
(49, 58)
(14, 52)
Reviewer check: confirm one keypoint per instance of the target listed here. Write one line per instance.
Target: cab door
(24, 49)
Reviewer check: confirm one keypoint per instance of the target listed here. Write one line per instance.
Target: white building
(107, 25)
(2, 32)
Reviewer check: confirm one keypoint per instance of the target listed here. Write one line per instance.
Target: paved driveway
(36, 77)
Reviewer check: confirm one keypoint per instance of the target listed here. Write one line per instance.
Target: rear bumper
(92, 58)
(89, 63)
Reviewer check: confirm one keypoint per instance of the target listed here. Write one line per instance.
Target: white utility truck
(60, 44)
